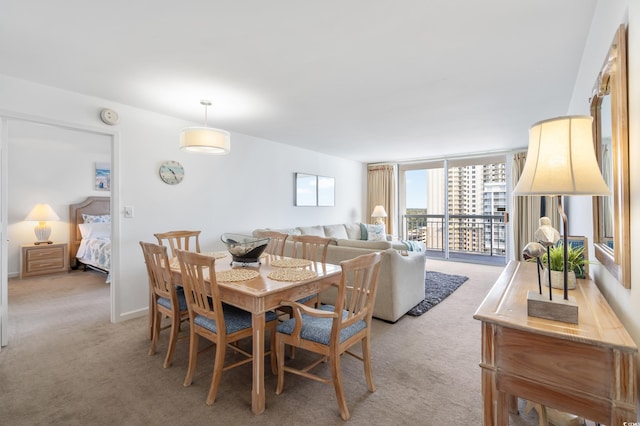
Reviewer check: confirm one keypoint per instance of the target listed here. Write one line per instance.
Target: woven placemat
(236, 275)
(216, 254)
(290, 263)
(291, 274)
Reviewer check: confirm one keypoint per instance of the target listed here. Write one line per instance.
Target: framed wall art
(103, 176)
(326, 191)
(306, 190)
(313, 190)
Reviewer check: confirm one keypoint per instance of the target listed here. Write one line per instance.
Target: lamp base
(539, 305)
(43, 242)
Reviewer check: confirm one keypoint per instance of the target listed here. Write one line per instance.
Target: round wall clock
(171, 172)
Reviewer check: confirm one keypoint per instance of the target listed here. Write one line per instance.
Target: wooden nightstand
(43, 259)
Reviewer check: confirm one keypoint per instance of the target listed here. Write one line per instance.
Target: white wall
(608, 16)
(251, 187)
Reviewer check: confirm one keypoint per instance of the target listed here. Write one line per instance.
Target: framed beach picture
(306, 190)
(103, 176)
(326, 191)
(313, 190)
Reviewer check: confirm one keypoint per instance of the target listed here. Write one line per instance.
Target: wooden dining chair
(314, 248)
(331, 330)
(311, 247)
(167, 300)
(276, 241)
(222, 324)
(182, 240)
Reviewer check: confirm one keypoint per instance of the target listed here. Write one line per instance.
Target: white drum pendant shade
(205, 140)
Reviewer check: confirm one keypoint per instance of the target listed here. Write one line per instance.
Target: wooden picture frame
(611, 215)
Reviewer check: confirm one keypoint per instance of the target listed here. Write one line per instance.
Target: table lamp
(42, 213)
(378, 214)
(561, 161)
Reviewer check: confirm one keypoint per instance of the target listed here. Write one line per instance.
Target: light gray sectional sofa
(402, 273)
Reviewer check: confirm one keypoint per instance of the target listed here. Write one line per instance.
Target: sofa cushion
(312, 230)
(335, 231)
(363, 231)
(371, 245)
(353, 231)
(376, 233)
(288, 231)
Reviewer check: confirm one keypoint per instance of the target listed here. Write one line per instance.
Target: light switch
(128, 211)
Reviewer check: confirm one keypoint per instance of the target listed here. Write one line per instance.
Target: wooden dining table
(262, 294)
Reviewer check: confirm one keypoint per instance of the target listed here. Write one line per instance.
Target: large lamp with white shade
(42, 213)
(561, 161)
(379, 213)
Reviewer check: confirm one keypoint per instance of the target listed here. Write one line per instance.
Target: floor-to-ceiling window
(423, 204)
(456, 207)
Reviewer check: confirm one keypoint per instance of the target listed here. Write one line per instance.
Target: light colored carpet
(67, 365)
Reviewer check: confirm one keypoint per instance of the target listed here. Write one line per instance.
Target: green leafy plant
(575, 259)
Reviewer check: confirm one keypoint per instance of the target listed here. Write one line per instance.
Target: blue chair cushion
(319, 329)
(182, 302)
(235, 319)
(306, 299)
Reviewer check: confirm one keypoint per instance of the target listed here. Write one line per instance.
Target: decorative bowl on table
(244, 248)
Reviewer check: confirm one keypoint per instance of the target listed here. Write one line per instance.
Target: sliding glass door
(456, 207)
(423, 204)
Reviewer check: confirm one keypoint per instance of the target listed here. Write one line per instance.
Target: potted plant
(575, 264)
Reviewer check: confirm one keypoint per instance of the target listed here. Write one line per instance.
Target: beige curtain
(381, 184)
(526, 210)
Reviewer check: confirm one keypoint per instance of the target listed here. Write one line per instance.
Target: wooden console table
(588, 369)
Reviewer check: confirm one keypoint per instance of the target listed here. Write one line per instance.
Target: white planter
(557, 279)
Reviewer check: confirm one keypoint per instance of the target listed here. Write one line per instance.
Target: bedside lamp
(42, 213)
(378, 214)
(561, 161)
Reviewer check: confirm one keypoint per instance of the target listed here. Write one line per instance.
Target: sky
(416, 181)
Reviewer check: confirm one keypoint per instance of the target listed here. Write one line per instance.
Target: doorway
(46, 162)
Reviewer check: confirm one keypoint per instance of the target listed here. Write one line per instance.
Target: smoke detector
(109, 116)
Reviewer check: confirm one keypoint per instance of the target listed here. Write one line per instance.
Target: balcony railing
(468, 234)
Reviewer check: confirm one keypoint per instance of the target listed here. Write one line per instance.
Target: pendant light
(205, 140)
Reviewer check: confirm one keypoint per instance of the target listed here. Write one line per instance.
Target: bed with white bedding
(90, 239)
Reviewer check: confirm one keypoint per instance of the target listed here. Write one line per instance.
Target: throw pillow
(353, 231)
(95, 230)
(376, 233)
(88, 218)
(316, 230)
(363, 232)
(335, 231)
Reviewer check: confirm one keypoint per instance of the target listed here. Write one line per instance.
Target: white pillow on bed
(95, 230)
(90, 218)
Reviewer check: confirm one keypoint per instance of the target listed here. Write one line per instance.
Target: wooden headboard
(91, 205)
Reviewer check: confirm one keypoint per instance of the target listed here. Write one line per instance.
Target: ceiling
(368, 80)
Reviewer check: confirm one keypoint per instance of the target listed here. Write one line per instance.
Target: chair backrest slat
(158, 269)
(180, 240)
(276, 241)
(200, 286)
(310, 247)
(357, 290)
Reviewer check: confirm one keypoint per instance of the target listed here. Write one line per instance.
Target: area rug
(437, 287)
